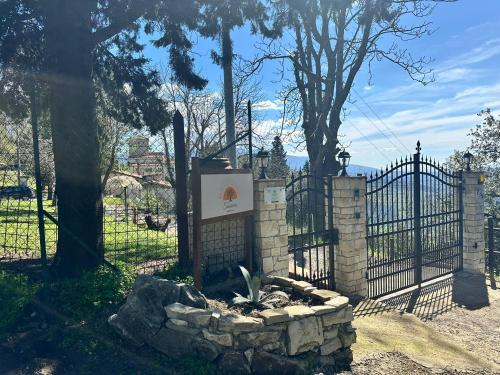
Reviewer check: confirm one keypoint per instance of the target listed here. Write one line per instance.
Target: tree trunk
(74, 132)
(227, 66)
(50, 191)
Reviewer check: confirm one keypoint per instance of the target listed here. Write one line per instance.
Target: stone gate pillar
(473, 224)
(271, 232)
(349, 217)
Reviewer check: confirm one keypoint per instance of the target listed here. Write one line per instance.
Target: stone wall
(172, 319)
(473, 202)
(271, 231)
(349, 217)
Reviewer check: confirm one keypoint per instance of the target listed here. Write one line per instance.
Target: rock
(301, 285)
(272, 364)
(177, 322)
(275, 288)
(256, 339)
(283, 281)
(191, 296)
(309, 290)
(323, 309)
(234, 363)
(330, 346)
(304, 335)
(338, 317)
(193, 315)
(343, 357)
(184, 329)
(224, 339)
(298, 311)
(347, 335)
(205, 349)
(323, 294)
(331, 333)
(142, 315)
(173, 343)
(275, 347)
(238, 323)
(274, 316)
(249, 354)
(338, 302)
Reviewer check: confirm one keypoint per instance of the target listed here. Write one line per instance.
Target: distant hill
(297, 162)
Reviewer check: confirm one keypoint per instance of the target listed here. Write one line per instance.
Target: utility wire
(381, 121)
(369, 141)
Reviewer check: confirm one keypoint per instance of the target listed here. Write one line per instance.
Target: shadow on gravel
(432, 299)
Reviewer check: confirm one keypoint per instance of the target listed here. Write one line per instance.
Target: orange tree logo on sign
(230, 194)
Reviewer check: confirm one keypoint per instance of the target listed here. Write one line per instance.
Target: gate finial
(418, 147)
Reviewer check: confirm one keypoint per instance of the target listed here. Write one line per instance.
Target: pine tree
(278, 166)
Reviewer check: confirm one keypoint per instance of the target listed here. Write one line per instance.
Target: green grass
(78, 335)
(124, 241)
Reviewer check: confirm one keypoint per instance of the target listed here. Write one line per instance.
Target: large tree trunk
(227, 66)
(74, 132)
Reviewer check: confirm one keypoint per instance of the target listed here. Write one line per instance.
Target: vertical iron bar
(491, 246)
(38, 180)
(461, 218)
(416, 214)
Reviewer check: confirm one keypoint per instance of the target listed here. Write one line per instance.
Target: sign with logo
(274, 195)
(226, 194)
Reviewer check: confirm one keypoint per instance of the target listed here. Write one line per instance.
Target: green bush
(176, 273)
(89, 295)
(16, 291)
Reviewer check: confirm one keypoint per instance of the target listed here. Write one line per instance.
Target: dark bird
(156, 226)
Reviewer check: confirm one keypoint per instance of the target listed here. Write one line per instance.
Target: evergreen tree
(76, 50)
(278, 166)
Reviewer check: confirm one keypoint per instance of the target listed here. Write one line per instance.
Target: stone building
(142, 161)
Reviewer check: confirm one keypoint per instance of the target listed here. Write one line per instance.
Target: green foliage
(278, 166)
(84, 297)
(176, 273)
(15, 293)
(255, 296)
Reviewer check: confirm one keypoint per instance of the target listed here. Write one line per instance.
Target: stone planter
(279, 341)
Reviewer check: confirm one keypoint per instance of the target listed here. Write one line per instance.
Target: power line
(369, 141)
(381, 121)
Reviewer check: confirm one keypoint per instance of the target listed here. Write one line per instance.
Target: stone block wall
(279, 341)
(473, 204)
(271, 231)
(349, 217)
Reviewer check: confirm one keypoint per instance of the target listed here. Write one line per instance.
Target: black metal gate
(414, 224)
(310, 229)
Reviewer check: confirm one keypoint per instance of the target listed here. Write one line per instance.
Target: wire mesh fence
(139, 223)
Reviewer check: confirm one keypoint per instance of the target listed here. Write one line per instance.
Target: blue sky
(390, 115)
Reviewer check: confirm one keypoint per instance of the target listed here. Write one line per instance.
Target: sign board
(274, 195)
(226, 194)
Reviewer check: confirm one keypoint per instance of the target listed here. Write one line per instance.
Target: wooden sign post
(219, 194)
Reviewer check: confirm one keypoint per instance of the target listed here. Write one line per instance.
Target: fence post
(473, 222)
(491, 244)
(38, 181)
(271, 231)
(181, 196)
(349, 213)
(416, 216)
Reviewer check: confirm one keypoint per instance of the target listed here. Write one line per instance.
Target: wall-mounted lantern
(344, 158)
(264, 157)
(468, 159)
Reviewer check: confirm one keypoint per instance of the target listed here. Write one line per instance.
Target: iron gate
(414, 224)
(310, 229)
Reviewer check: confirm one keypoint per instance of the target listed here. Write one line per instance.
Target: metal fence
(139, 224)
(492, 233)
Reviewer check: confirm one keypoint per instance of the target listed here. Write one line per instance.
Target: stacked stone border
(280, 341)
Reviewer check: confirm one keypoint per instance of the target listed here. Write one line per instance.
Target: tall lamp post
(263, 156)
(344, 158)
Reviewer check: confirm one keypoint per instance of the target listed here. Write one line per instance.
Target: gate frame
(414, 255)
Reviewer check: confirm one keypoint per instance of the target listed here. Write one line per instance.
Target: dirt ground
(451, 326)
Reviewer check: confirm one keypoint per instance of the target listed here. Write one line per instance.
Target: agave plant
(256, 296)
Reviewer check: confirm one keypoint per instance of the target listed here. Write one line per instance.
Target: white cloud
(268, 105)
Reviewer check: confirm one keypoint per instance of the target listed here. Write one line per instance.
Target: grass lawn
(125, 242)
